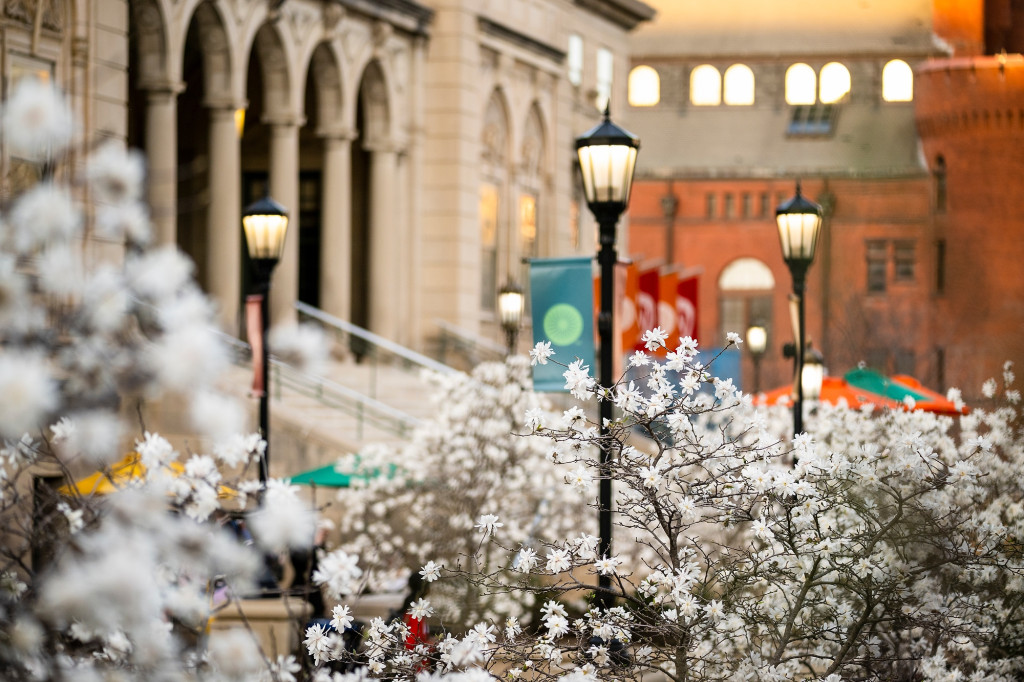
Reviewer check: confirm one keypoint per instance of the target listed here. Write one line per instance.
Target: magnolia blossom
(540, 353)
(36, 120)
(488, 523)
(430, 571)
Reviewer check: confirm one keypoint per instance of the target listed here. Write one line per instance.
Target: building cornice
(511, 35)
(405, 15)
(626, 13)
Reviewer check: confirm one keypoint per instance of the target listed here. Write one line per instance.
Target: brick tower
(970, 117)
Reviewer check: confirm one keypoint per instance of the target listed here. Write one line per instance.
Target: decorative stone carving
(50, 13)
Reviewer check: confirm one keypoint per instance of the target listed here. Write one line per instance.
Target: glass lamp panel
(510, 308)
(264, 235)
(757, 339)
(607, 172)
(811, 378)
(798, 234)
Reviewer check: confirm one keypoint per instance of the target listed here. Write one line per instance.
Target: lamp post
(757, 343)
(607, 156)
(799, 223)
(265, 223)
(510, 311)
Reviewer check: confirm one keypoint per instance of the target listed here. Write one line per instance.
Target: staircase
(371, 391)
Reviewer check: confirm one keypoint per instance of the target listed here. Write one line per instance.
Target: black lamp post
(607, 156)
(757, 343)
(799, 222)
(265, 223)
(510, 311)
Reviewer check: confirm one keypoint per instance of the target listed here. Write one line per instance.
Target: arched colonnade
(234, 97)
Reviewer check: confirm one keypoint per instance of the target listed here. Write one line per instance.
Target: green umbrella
(325, 476)
(870, 380)
(328, 476)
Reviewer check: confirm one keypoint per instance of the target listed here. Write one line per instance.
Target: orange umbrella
(834, 391)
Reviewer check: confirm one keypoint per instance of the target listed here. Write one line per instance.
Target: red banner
(686, 308)
(646, 304)
(254, 330)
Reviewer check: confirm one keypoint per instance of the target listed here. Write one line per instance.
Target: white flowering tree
(474, 461)
(116, 585)
(878, 546)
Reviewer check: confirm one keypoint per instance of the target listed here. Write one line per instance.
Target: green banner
(562, 302)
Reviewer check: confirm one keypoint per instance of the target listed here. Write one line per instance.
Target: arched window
(834, 83)
(800, 84)
(644, 87)
(746, 274)
(494, 161)
(897, 82)
(705, 86)
(745, 296)
(739, 85)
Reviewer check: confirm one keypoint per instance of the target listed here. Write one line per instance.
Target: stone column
(384, 245)
(284, 188)
(336, 225)
(224, 216)
(162, 158)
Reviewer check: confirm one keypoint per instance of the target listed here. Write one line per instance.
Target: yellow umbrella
(128, 471)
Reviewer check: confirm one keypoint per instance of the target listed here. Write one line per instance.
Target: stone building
(867, 104)
(423, 148)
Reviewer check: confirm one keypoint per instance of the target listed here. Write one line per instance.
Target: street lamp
(799, 222)
(607, 156)
(757, 343)
(510, 311)
(265, 223)
(813, 374)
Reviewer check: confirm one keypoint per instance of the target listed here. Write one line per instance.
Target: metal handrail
(475, 348)
(330, 394)
(409, 356)
(365, 344)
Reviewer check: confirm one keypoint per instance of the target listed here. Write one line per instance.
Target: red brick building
(904, 133)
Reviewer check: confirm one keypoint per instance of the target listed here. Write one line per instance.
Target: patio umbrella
(834, 391)
(328, 476)
(128, 471)
(900, 387)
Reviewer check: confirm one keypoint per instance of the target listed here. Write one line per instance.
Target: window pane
(644, 87)
(800, 84)
(711, 205)
(604, 77)
(876, 261)
(739, 85)
(733, 317)
(904, 257)
(705, 86)
(488, 245)
(575, 59)
(897, 82)
(835, 82)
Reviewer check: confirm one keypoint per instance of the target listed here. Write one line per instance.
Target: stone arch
(494, 136)
(278, 97)
(325, 71)
(216, 53)
(149, 30)
(375, 101)
(533, 147)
